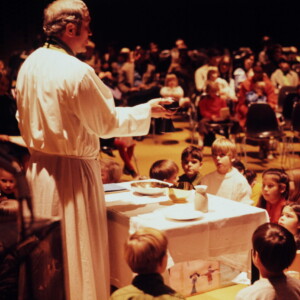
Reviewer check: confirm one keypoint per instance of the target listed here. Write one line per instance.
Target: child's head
(146, 251)
(171, 80)
(191, 160)
(212, 74)
(290, 218)
(250, 176)
(111, 170)
(239, 165)
(275, 185)
(165, 170)
(7, 182)
(274, 248)
(223, 153)
(212, 88)
(259, 88)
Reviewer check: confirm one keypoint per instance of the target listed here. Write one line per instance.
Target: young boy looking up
(146, 255)
(274, 250)
(191, 162)
(226, 181)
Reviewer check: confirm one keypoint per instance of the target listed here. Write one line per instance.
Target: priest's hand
(158, 110)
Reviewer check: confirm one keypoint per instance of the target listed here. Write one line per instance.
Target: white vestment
(63, 109)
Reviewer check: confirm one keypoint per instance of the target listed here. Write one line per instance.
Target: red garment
(211, 106)
(247, 86)
(274, 210)
(126, 152)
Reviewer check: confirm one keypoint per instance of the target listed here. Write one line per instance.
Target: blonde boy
(226, 181)
(146, 254)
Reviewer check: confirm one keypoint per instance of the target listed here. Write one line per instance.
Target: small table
(223, 234)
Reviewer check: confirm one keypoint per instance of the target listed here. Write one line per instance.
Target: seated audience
(214, 56)
(172, 89)
(137, 79)
(226, 181)
(247, 86)
(164, 170)
(274, 250)
(146, 255)
(184, 70)
(290, 219)
(111, 171)
(225, 93)
(209, 109)
(284, 76)
(275, 192)
(191, 162)
(244, 61)
(225, 70)
(266, 42)
(257, 95)
(274, 53)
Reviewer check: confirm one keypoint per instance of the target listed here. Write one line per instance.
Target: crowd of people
(210, 79)
(66, 110)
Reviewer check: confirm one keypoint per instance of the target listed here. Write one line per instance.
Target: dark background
(202, 23)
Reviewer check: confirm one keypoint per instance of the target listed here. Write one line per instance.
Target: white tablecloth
(224, 233)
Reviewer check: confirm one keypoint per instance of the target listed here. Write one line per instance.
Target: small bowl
(178, 195)
(149, 187)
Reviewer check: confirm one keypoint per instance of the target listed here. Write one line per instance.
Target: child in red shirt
(209, 109)
(275, 192)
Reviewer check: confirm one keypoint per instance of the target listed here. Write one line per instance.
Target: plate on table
(149, 187)
(182, 213)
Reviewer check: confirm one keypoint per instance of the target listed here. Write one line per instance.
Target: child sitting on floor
(274, 250)
(226, 181)
(275, 192)
(146, 255)
(191, 162)
(164, 170)
(290, 219)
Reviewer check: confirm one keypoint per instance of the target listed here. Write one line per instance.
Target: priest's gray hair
(60, 12)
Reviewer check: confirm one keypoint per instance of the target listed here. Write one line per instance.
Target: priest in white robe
(63, 109)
